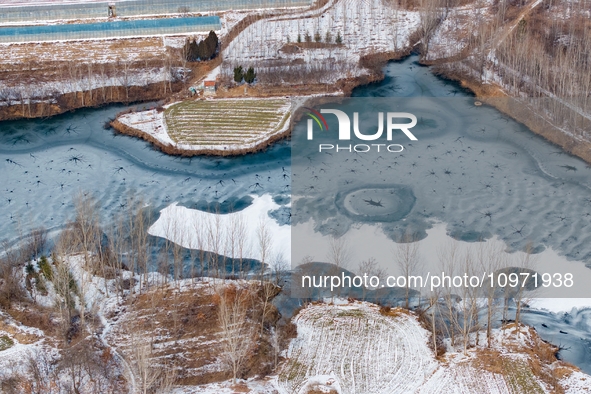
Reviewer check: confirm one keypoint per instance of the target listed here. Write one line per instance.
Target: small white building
(209, 87)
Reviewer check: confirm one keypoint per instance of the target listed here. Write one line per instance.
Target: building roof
(209, 83)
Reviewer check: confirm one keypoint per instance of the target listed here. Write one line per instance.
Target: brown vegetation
(207, 332)
(44, 107)
(541, 358)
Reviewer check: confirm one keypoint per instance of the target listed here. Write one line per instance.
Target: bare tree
(491, 260)
(408, 260)
(267, 292)
(144, 374)
(63, 284)
(242, 244)
(264, 243)
(431, 14)
(526, 263)
(216, 241)
(467, 305)
(339, 255)
(448, 256)
(42, 378)
(237, 335)
(370, 267)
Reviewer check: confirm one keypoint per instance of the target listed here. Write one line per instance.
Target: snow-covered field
(354, 348)
(226, 122)
(52, 89)
(214, 125)
(365, 27)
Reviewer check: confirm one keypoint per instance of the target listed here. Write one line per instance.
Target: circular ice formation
(376, 203)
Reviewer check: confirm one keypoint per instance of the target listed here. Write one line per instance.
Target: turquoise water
(109, 29)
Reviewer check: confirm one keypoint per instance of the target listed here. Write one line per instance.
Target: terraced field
(226, 122)
(356, 349)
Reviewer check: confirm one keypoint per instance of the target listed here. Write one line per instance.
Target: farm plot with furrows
(226, 122)
(360, 349)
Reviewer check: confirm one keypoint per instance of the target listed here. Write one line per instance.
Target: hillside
(356, 347)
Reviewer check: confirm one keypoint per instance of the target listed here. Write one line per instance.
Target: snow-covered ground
(353, 348)
(27, 342)
(365, 27)
(190, 228)
(52, 89)
(150, 122)
(189, 126)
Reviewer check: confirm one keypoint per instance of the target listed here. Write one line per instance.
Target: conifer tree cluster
(204, 50)
(248, 76)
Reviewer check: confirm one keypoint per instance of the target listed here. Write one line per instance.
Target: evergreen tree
(250, 75)
(204, 50)
(211, 45)
(194, 52)
(299, 38)
(238, 74)
(201, 50)
(190, 50)
(307, 37)
(328, 37)
(317, 37)
(339, 39)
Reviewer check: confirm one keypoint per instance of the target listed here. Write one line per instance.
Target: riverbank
(31, 109)
(156, 132)
(523, 112)
(169, 147)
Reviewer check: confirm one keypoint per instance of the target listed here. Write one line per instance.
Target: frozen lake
(481, 174)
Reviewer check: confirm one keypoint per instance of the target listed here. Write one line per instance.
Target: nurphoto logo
(392, 124)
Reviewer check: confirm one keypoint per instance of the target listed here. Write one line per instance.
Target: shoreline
(496, 97)
(94, 98)
(374, 63)
(172, 150)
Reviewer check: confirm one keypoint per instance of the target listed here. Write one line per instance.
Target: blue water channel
(100, 9)
(128, 28)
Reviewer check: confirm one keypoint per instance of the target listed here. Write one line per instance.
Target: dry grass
(182, 327)
(523, 374)
(31, 315)
(225, 122)
(15, 56)
(394, 312)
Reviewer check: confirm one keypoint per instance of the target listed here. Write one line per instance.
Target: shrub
(250, 75)
(45, 268)
(5, 342)
(238, 74)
